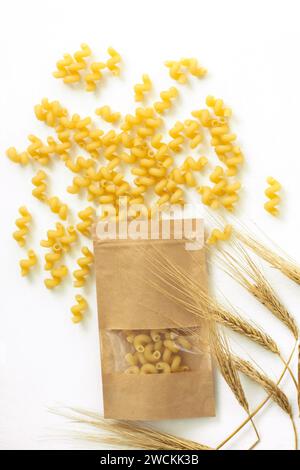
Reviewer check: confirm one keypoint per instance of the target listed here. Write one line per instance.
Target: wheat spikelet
(287, 266)
(273, 391)
(226, 365)
(245, 271)
(186, 291)
(125, 434)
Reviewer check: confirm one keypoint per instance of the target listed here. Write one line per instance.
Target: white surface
(251, 51)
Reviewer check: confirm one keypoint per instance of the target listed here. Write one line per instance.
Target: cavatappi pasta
(97, 159)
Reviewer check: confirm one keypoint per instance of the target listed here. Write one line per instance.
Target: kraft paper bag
(128, 304)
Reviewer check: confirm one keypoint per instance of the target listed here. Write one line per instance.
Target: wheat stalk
(273, 391)
(187, 292)
(228, 369)
(246, 272)
(125, 434)
(287, 266)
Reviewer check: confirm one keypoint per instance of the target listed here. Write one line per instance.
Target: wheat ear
(125, 434)
(179, 286)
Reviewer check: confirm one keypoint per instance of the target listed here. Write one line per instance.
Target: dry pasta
(271, 192)
(27, 264)
(217, 235)
(22, 224)
(141, 88)
(78, 310)
(84, 264)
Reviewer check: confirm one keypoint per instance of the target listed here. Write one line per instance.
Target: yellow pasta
(84, 264)
(50, 112)
(78, 310)
(175, 71)
(69, 67)
(94, 76)
(176, 362)
(22, 158)
(106, 113)
(132, 370)
(193, 132)
(148, 369)
(40, 185)
(27, 264)
(166, 100)
(53, 256)
(167, 356)
(22, 224)
(150, 354)
(57, 276)
(163, 367)
(272, 194)
(193, 67)
(140, 341)
(218, 235)
(58, 207)
(184, 343)
(113, 61)
(218, 106)
(131, 359)
(69, 238)
(53, 236)
(141, 88)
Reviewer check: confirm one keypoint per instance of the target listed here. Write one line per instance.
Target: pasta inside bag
(155, 355)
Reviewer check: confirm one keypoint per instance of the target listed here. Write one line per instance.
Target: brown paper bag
(129, 305)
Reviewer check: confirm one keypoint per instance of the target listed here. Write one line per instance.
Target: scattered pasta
(156, 351)
(217, 235)
(108, 116)
(139, 141)
(22, 224)
(84, 264)
(271, 192)
(141, 88)
(27, 264)
(78, 310)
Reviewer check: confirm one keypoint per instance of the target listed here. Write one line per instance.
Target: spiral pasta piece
(27, 264)
(22, 224)
(22, 158)
(175, 71)
(87, 218)
(53, 256)
(69, 67)
(57, 276)
(272, 193)
(217, 105)
(69, 237)
(78, 310)
(193, 132)
(106, 113)
(141, 88)
(166, 100)
(163, 367)
(50, 112)
(39, 181)
(193, 67)
(53, 236)
(94, 76)
(113, 61)
(218, 235)
(84, 264)
(58, 207)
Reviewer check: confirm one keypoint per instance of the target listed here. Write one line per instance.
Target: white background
(251, 49)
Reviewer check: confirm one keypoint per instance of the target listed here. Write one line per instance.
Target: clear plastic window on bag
(166, 351)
